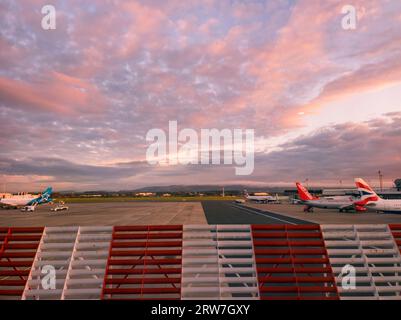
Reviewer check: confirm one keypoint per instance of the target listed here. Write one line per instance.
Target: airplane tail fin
(45, 197)
(364, 187)
(303, 193)
(366, 192)
(246, 193)
(48, 192)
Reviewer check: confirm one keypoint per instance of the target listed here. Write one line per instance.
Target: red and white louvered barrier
(293, 263)
(373, 252)
(145, 262)
(18, 247)
(218, 263)
(269, 262)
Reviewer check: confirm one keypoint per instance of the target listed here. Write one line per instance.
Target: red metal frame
(144, 263)
(17, 252)
(292, 263)
(396, 231)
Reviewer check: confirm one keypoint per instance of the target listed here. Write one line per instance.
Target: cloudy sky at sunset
(76, 102)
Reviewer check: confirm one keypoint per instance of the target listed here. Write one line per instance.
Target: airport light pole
(381, 180)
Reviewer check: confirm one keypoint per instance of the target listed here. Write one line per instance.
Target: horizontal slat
(176, 280)
(149, 252)
(233, 290)
(141, 290)
(211, 290)
(11, 292)
(80, 292)
(43, 293)
(144, 271)
(358, 289)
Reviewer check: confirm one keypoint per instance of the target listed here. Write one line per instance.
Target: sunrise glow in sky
(76, 102)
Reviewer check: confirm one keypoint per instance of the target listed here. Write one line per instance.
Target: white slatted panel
(200, 269)
(383, 258)
(371, 250)
(218, 263)
(55, 249)
(86, 271)
(237, 267)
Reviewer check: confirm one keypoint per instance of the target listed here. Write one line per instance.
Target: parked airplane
(29, 202)
(342, 203)
(372, 202)
(260, 198)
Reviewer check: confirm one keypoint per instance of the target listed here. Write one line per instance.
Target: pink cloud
(207, 27)
(58, 93)
(207, 64)
(143, 29)
(370, 77)
(302, 55)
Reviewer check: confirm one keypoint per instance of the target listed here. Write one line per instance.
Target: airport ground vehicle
(28, 208)
(60, 207)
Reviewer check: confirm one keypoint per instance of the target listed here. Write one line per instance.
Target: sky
(77, 102)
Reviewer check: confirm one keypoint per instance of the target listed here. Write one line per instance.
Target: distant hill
(187, 189)
(205, 188)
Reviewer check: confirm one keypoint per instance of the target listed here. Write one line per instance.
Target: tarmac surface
(329, 216)
(108, 214)
(170, 213)
(227, 212)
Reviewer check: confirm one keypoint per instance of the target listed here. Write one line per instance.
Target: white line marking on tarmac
(264, 215)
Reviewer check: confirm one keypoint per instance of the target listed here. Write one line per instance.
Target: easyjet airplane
(372, 202)
(342, 203)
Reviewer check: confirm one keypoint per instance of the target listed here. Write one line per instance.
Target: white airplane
(342, 203)
(372, 202)
(27, 201)
(261, 199)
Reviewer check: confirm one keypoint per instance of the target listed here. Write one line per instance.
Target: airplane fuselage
(387, 206)
(261, 198)
(16, 201)
(330, 203)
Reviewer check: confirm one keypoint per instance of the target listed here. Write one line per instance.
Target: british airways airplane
(372, 202)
